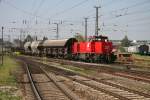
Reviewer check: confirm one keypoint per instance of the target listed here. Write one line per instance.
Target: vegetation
(74, 69)
(79, 37)
(5, 71)
(142, 57)
(8, 84)
(45, 38)
(7, 96)
(141, 60)
(28, 38)
(121, 49)
(125, 42)
(79, 70)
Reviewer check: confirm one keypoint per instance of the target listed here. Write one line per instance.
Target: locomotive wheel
(108, 59)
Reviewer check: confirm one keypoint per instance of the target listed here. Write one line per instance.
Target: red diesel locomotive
(98, 49)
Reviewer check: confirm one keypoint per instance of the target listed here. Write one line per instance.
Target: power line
(39, 6)
(128, 7)
(104, 5)
(33, 4)
(131, 6)
(108, 3)
(127, 14)
(36, 11)
(26, 12)
(68, 9)
(122, 15)
(55, 5)
(21, 10)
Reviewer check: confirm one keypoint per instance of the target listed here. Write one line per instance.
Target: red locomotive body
(98, 49)
(75, 48)
(85, 47)
(98, 46)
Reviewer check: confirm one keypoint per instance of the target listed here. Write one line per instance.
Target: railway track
(131, 74)
(41, 92)
(118, 92)
(33, 86)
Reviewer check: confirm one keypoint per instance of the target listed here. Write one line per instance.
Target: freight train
(97, 49)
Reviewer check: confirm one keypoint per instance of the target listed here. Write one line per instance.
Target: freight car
(34, 48)
(57, 48)
(98, 49)
(27, 48)
(144, 49)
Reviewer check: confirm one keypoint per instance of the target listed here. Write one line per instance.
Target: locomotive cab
(97, 49)
(103, 49)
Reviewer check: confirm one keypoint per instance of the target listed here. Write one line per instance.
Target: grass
(142, 60)
(7, 96)
(7, 79)
(141, 57)
(6, 71)
(79, 70)
(72, 68)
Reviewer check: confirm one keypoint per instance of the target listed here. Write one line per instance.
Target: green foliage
(8, 96)
(121, 49)
(8, 80)
(45, 38)
(6, 70)
(125, 42)
(79, 37)
(28, 38)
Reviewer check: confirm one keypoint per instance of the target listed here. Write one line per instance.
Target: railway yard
(75, 50)
(56, 79)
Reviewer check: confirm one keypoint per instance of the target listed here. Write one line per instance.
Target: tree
(17, 43)
(125, 42)
(45, 38)
(79, 37)
(28, 38)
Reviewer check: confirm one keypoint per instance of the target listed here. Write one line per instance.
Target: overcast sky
(117, 18)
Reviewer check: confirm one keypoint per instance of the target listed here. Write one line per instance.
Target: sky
(117, 18)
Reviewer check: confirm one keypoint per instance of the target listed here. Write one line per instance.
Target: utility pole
(96, 23)
(2, 45)
(9, 38)
(57, 30)
(20, 38)
(85, 29)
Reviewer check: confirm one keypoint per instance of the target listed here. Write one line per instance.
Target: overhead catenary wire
(74, 21)
(127, 14)
(31, 14)
(125, 8)
(39, 6)
(51, 8)
(122, 15)
(68, 9)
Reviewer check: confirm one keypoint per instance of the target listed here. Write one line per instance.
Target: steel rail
(33, 86)
(107, 83)
(89, 85)
(62, 87)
